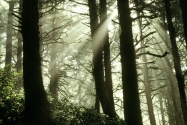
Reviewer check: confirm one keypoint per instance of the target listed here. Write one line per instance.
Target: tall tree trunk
(162, 108)
(146, 78)
(8, 56)
(93, 26)
(174, 91)
(174, 108)
(132, 110)
(173, 97)
(37, 111)
(97, 103)
(106, 49)
(53, 86)
(98, 72)
(176, 60)
(147, 90)
(19, 44)
(183, 4)
(170, 112)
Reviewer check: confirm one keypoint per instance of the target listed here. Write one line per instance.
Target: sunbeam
(101, 32)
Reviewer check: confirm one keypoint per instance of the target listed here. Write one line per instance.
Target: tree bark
(173, 89)
(170, 112)
(131, 99)
(37, 111)
(8, 56)
(19, 44)
(106, 49)
(53, 86)
(146, 78)
(97, 104)
(162, 108)
(147, 90)
(176, 60)
(183, 4)
(98, 72)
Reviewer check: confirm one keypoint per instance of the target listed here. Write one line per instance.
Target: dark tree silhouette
(106, 49)
(93, 26)
(19, 44)
(183, 4)
(132, 110)
(176, 60)
(98, 72)
(37, 110)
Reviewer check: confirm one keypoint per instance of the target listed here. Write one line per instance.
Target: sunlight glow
(133, 14)
(102, 31)
(76, 37)
(4, 4)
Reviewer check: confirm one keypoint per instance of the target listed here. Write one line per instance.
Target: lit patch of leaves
(11, 101)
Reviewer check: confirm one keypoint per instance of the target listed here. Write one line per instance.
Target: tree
(174, 108)
(53, 86)
(98, 72)
(147, 86)
(145, 68)
(176, 60)
(131, 99)
(8, 56)
(19, 44)
(37, 110)
(162, 108)
(106, 49)
(183, 4)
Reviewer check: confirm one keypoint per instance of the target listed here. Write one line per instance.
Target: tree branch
(155, 55)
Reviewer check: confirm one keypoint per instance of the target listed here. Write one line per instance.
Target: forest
(93, 62)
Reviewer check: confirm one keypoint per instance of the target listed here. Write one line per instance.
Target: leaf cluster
(11, 99)
(66, 113)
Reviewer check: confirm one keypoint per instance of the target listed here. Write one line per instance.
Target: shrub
(66, 113)
(11, 101)
(63, 111)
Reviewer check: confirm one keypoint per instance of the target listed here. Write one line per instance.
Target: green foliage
(63, 111)
(66, 113)
(11, 101)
